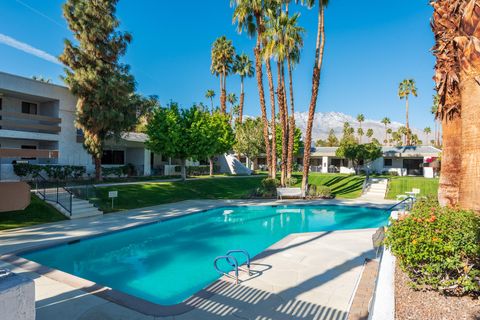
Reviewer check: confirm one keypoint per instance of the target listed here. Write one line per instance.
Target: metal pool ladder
(233, 262)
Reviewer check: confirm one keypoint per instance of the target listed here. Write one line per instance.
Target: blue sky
(371, 46)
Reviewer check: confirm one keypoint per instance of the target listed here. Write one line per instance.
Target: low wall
(14, 196)
(17, 297)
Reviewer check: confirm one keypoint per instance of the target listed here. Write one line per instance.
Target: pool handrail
(247, 255)
(412, 199)
(233, 263)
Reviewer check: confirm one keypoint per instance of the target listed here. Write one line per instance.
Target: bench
(290, 193)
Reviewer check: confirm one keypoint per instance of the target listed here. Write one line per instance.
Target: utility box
(14, 196)
(17, 296)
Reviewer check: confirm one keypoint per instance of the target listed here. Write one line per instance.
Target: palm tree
(468, 54)
(370, 134)
(427, 132)
(223, 53)
(434, 111)
(360, 119)
(389, 133)
(449, 109)
(232, 99)
(248, 14)
(360, 133)
(210, 94)
(317, 68)
(407, 87)
(386, 121)
(243, 67)
(403, 133)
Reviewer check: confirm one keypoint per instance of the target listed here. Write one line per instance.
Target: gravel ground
(419, 305)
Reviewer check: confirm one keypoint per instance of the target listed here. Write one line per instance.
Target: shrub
(201, 170)
(26, 170)
(290, 182)
(114, 171)
(324, 192)
(53, 172)
(268, 188)
(312, 190)
(439, 248)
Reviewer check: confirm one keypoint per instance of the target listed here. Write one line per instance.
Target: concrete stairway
(80, 208)
(375, 189)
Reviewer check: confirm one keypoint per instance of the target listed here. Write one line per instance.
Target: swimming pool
(169, 261)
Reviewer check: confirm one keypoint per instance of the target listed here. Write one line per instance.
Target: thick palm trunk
(273, 125)
(470, 164)
(98, 168)
(184, 169)
(448, 192)
(283, 122)
(291, 126)
(242, 99)
(319, 49)
(261, 91)
(223, 95)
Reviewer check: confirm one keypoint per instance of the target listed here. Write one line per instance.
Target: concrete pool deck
(311, 276)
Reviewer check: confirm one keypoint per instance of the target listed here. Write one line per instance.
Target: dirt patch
(416, 305)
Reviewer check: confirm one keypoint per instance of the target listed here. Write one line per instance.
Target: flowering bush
(439, 248)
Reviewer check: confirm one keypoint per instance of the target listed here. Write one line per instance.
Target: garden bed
(412, 304)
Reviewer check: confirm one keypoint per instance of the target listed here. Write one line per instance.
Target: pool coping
(142, 305)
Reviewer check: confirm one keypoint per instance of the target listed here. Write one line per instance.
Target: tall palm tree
(403, 133)
(223, 53)
(210, 94)
(468, 44)
(360, 133)
(248, 14)
(232, 99)
(243, 67)
(360, 119)
(434, 111)
(427, 132)
(370, 134)
(406, 88)
(389, 133)
(386, 121)
(317, 68)
(445, 24)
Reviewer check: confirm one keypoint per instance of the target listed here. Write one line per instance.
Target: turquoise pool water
(167, 262)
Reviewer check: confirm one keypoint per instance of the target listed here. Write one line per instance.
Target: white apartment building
(37, 126)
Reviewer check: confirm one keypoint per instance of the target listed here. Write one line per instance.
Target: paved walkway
(309, 276)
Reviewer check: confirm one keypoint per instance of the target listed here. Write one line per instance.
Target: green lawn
(150, 194)
(400, 185)
(342, 185)
(37, 212)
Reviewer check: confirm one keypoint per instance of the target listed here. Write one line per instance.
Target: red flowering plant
(439, 248)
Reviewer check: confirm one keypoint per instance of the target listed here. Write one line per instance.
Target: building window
(30, 108)
(113, 157)
(387, 162)
(29, 148)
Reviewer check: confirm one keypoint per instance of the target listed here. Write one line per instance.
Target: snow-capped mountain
(325, 121)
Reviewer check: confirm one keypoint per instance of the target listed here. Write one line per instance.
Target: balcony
(18, 121)
(28, 153)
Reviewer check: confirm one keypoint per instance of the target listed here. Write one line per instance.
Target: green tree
(107, 104)
(357, 153)
(370, 134)
(249, 138)
(212, 133)
(332, 140)
(360, 133)
(223, 54)
(297, 142)
(243, 67)
(210, 94)
(406, 88)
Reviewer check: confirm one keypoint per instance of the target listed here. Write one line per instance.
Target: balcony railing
(28, 153)
(29, 122)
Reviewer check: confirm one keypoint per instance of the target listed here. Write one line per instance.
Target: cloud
(28, 49)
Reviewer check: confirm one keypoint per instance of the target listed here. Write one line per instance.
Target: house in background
(401, 161)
